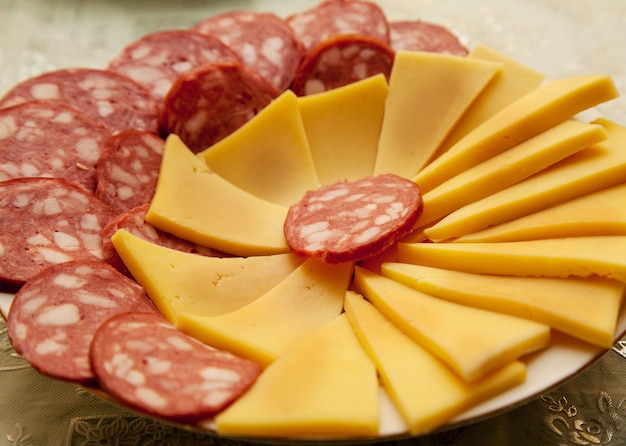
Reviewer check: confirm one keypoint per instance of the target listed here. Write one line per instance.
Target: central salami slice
(116, 101)
(424, 36)
(351, 221)
(146, 363)
(55, 314)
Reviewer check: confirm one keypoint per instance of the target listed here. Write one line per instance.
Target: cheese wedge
(471, 341)
(326, 386)
(560, 257)
(595, 168)
(528, 116)
(510, 167)
(583, 308)
(403, 363)
(343, 126)
(195, 204)
(269, 156)
(263, 330)
(179, 282)
(428, 93)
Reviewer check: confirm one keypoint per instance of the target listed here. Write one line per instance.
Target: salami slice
(46, 221)
(45, 139)
(340, 61)
(351, 221)
(128, 174)
(424, 36)
(55, 314)
(265, 42)
(210, 102)
(157, 59)
(116, 101)
(146, 363)
(332, 18)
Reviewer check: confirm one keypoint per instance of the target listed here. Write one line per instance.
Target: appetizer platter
(327, 224)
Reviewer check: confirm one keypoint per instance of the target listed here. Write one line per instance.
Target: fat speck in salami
(351, 221)
(55, 315)
(146, 363)
(424, 36)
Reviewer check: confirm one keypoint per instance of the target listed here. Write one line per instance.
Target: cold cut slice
(55, 315)
(157, 59)
(351, 221)
(340, 61)
(210, 102)
(264, 41)
(145, 362)
(424, 36)
(46, 221)
(116, 101)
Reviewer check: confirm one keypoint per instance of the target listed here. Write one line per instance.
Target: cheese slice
(269, 156)
(263, 330)
(179, 282)
(583, 308)
(595, 168)
(428, 93)
(528, 116)
(326, 386)
(560, 257)
(471, 341)
(195, 204)
(426, 392)
(509, 167)
(343, 126)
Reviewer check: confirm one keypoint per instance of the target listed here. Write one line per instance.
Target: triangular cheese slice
(471, 341)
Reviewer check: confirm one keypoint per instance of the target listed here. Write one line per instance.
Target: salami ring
(351, 221)
(424, 36)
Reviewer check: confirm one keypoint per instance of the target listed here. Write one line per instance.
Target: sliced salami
(210, 102)
(46, 221)
(424, 36)
(146, 363)
(157, 59)
(331, 18)
(264, 41)
(128, 174)
(45, 139)
(340, 61)
(351, 221)
(116, 101)
(55, 314)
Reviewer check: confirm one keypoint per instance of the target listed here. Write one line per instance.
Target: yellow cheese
(428, 92)
(198, 205)
(561, 257)
(268, 327)
(343, 127)
(269, 156)
(509, 167)
(426, 392)
(179, 282)
(584, 308)
(473, 342)
(325, 387)
(528, 116)
(600, 166)
(598, 213)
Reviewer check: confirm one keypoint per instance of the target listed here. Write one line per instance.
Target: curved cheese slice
(530, 115)
(425, 390)
(428, 93)
(583, 308)
(179, 282)
(561, 257)
(195, 204)
(269, 156)
(325, 387)
(263, 330)
(343, 126)
(473, 342)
